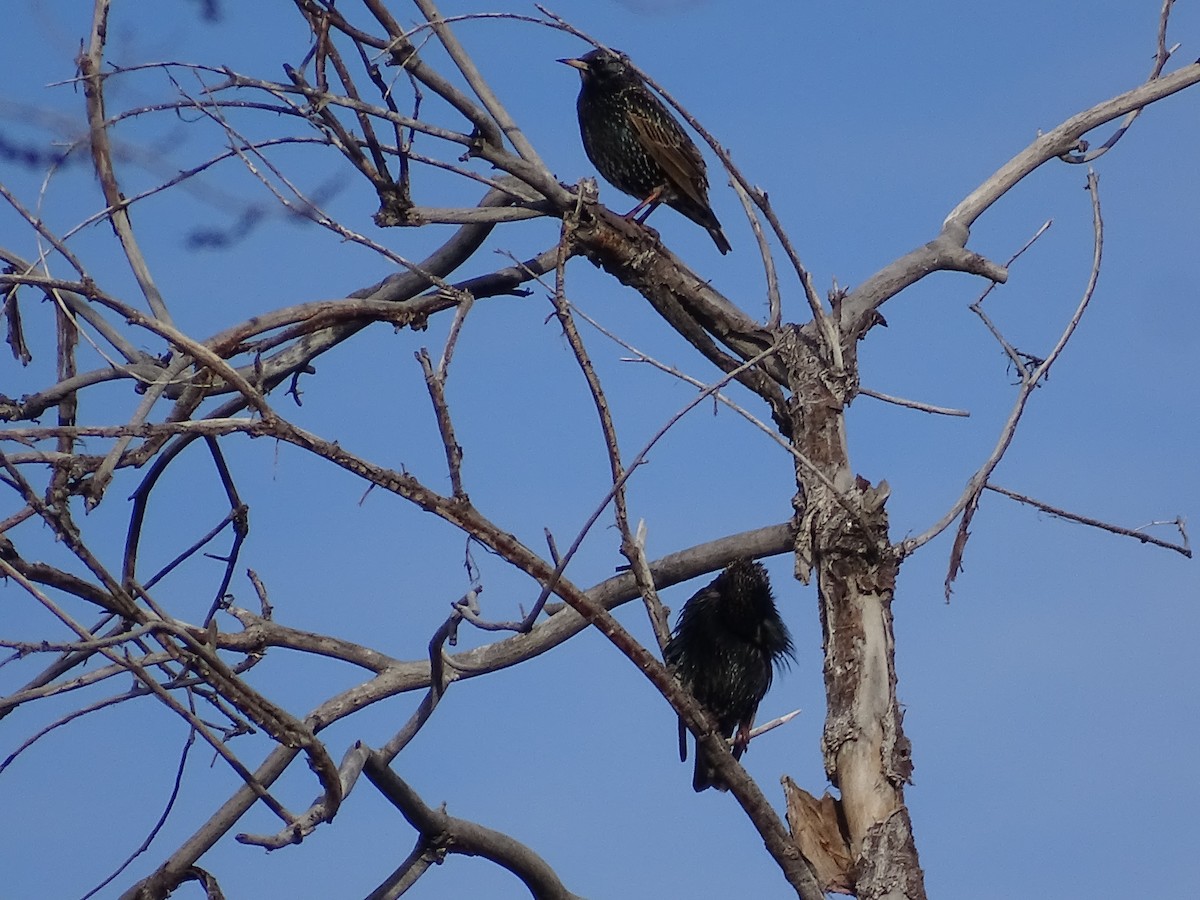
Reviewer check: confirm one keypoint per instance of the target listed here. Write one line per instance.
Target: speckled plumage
(637, 145)
(727, 643)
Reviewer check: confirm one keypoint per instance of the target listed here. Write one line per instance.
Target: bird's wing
(682, 741)
(671, 149)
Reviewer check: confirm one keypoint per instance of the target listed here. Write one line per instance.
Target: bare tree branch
(1137, 533)
(453, 835)
(405, 111)
(969, 500)
(947, 251)
(90, 64)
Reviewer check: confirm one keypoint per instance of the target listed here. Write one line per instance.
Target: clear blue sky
(1053, 705)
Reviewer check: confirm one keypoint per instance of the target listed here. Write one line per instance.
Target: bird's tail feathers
(719, 239)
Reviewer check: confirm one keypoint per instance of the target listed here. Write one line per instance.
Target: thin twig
(71, 716)
(91, 63)
(774, 303)
(640, 458)
(771, 725)
(1018, 361)
(139, 671)
(1162, 53)
(1012, 259)
(846, 503)
(914, 404)
(633, 548)
(450, 446)
(479, 85)
(969, 500)
(158, 825)
(1137, 533)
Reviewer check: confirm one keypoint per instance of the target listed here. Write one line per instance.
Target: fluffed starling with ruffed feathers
(727, 644)
(637, 145)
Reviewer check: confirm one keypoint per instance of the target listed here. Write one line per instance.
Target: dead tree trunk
(843, 536)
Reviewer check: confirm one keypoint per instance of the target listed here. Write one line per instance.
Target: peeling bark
(819, 830)
(842, 537)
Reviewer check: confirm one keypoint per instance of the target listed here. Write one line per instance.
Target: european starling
(637, 145)
(727, 642)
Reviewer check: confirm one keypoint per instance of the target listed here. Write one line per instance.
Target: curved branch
(947, 251)
(394, 289)
(969, 500)
(453, 835)
(673, 569)
(90, 63)
(1060, 140)
(632, 254)
(480, 86)
(1162, 53)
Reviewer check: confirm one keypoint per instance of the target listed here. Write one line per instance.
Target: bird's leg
(649, 204)
(741, 740)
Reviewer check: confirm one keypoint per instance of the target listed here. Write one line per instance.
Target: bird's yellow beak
(575, 64)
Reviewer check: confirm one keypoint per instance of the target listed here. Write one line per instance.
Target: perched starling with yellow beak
(727, 643)
(637, 145)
